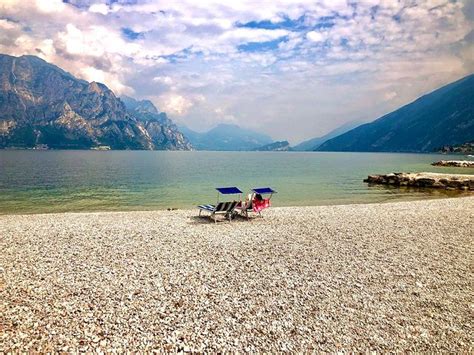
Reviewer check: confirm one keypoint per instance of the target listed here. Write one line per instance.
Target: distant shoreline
(93, 149)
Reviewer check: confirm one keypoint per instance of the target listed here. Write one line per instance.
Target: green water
(60, 181)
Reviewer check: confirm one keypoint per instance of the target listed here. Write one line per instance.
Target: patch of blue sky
(351, 47)
(286, 24)
(262, 46)
(122, 2)
(298, 25)
(344, 42)
(302, 24)
(85, 4)
(9, 19)
(131, 34)
(373, 11)
(324, 23)
(81, 4)
(182, 55)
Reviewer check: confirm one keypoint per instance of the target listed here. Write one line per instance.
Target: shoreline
(380, 277)
(442, 195)
(16, 149)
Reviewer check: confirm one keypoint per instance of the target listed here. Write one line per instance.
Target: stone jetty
(455, 163)
(430, 180)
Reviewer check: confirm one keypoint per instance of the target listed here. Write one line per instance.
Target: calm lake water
(59, 181)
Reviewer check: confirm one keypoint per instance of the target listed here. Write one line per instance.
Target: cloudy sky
(291, 69)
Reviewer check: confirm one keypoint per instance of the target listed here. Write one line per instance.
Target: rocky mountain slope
(163, 132)
(314, 143)
(40, 104)
(442, 117)
(466, 148)
(226, 137)
(279, 146)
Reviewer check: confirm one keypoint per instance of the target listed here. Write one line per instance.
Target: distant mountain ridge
(314, 143)
(226, 137)
(42, 105)
(280, 146)
(442, 117)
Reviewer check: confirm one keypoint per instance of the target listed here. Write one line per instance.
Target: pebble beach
(374, 277)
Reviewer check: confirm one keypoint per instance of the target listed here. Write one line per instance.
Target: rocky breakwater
(429, 180)
(455, 163)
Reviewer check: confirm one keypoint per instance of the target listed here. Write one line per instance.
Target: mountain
(442, 117)
(314, 143)
(42, 105)
(226, 137)
(280, 146)
(163, 132)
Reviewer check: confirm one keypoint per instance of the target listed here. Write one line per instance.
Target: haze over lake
(72, 181)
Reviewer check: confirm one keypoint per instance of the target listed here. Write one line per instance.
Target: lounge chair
(222, 208)
(255, 205)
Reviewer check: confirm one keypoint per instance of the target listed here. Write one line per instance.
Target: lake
(66, 181)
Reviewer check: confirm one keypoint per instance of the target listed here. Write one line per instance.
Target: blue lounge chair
(222, 208)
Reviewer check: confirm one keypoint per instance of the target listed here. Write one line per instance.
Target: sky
(290, 69)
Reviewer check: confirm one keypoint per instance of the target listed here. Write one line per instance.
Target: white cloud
(337, 63)
(8, 25)
(163, 80)
(99, 8)
(390, 95)
(50, 5)
(244, 35)
(315, 36)
(75, 41)
(96, 40)
(93, 74)
(175, 104)
(46, 49)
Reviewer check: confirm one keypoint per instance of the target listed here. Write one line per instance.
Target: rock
(428, 180)
(422, 182)
(455, 163)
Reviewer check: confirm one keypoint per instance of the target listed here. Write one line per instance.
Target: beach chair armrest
(209, 208)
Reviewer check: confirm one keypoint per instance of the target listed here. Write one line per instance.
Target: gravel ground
(395, 276)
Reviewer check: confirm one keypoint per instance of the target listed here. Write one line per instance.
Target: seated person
(259, 203)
